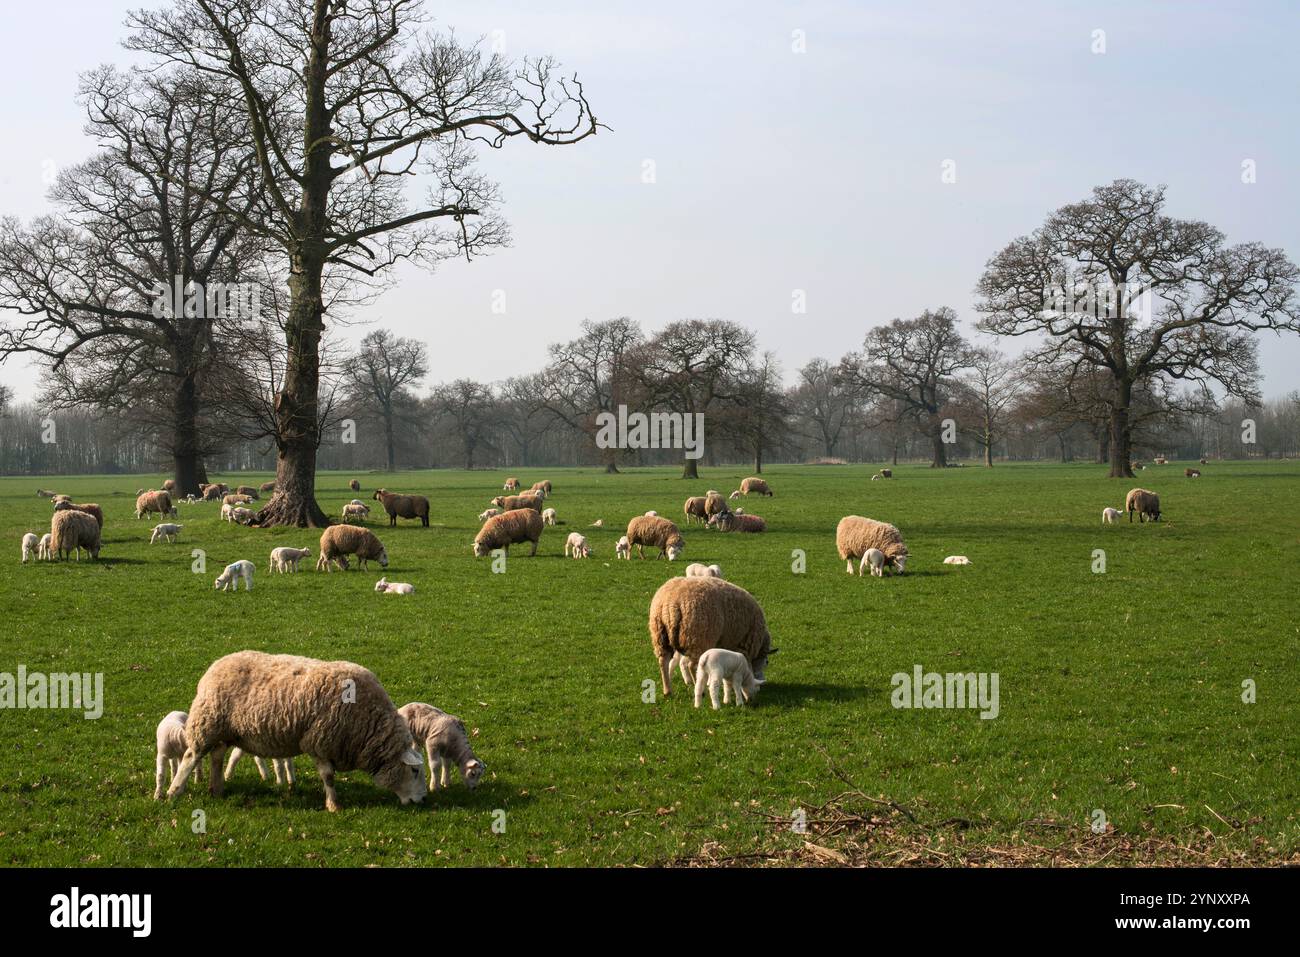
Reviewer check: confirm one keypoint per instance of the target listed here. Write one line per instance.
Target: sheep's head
(480, 548)
(472, 771)
(404, 776)
(381, 585)
(675, 548)
(900, 563)
(382, 558)
(735, 494)
(499, 501)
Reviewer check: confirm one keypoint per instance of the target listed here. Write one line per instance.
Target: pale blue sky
(779, 171)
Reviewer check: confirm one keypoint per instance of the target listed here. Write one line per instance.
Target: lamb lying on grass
(394, 588)
(697, 570)
(446, 742)
(286, 559)
(30, 543)
(956, 560)
(229, 578)
(1110, 515)
(724, 670)
(355, 510)
(283, 767)
(576, 545)
(165, 530)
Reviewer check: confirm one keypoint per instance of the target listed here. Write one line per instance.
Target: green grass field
(1119, 692)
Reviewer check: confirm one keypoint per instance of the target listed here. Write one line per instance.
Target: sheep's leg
(640, 550)
(849, 565)
(261, 768)
(666, 675)
(713, 692)
(182, 776)
(158, 776)
(235, 755)
(326, 772)
(684, 665)
(699, 692)
(444, 771)
(737, 691)
(217, 784)
(428, 756)
(534, 551)
(726, 690)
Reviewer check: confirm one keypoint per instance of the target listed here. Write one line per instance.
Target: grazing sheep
(549, 517)
(284, 773)
(512, 485)
(688, 616)
(240, 516)
(150, 502)
(71, 531)
(354, 485)
(90, 508)
(1160, 460)
(355, 510)
(211, 493)
(511, 527)
(30, 542)
(170, 740)
(728, 671)
(169, 485)
(738, 522)
(45, 493)
(956, 560)
(1146, 503)
(43, 551)
(623, 548)
(229, 578)
(279, 706)
(697, 570)
(694, 510)
(339, 541)
(657, 532)
(1192, 473)
(487, 513)
(1204, 462)
(876, 559)
(543, 487)
(445, 741)
(753, 484)
(886, 473)
(266, 487)
(54, 502)
(286, 559)
(576, 545)
(875, 478)
(403, 506)
(855, 534)
(236, 498)
(714, 504)
(165, 530)
(509, 503)
(394, 588)
(1110, 515)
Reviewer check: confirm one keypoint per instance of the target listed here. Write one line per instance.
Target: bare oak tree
(988, 391)
(380, 377)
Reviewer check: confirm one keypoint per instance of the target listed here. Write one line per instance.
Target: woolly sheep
(738, 522)
(90, 508)
(714, 504)
(339, 541)
(487, 513)
(151, 502)
(512, 485)
(286, 559)
(886, 473)
(1109, 515)
(694, 510)
(1143, 501)
(394, 588)
(728, 671)
(576, 545)
(855, 534)
(623, 548)
(71, 531)
(876, 559)
(169, 485)
(446, 742)
(279, 706)
(236, 498)
(266, 487)
(241, 516)
(698, 570)
(1192, 473)
(956, 560)
(354, 485)
(170, 740)
(548, 516)
(30, 542)
(353, 510)
(211, 493)
(511, 527)
(753, 484)
(54, 502)
(657, 532)
(688, 616)
(544, 487)
(403, 506)
(165, 530)
(43, 551)
(508, 503)
(229, 578)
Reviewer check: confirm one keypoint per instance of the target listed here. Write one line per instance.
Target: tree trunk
(1060, 440)
(758, 461)
(988, 452)
(187, 464)
(1121, 450)
(1103, 445)
(611, 468)
(690, 469)
(940, 453)
(388, 439)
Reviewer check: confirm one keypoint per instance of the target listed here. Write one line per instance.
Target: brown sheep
(715, 504)
(267, 487)
(512, 527)
(1192, 473)
(657, 532)
(90, 508)
(544, 487)
(855, 535)
(247, 490)
(403, 506)
(512, 485)
(71, 531)
(1146, 503)
(169, 485)
(886, 473)
(510, 502)
(211, 493)
(354, 485)
(688, 616)
(731, 522)
(756, 485)
(339, 541)
(694, 509)
(159, 502)
(236, 498)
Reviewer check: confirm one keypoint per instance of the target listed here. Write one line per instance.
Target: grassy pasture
(1119, 692)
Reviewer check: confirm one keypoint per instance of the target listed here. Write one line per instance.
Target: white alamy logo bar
(38, 691)
(654, 430)
(75, 909)
(930, 689)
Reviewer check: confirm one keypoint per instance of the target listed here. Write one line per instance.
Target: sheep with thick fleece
(724, 670)
(623, 548)
(43, 551)
(576, 545)
(1192, 473)
(151, 502)
(279, 706)
(754, 485)
(286, 558)
(698, 570)
(247, 490)
(165, 531)
(90, 508)
(170, 740)
(384, 586)
(543, 487)
(236, 498)
(549, 517)
(738, 522)
(355, 510)
(508, 503)
(169, 485)
(241, 516)
(229, 578)
(30, 542)
(71, 531)
(339, 541)
(855, 534)
(446, 742)
(403, 506)
(512, 485)
(1143, 501)
(688, 616)
(1110, 515)
(874, 558)
(657, 532)
(694, 510)
(714, 504)
(211, 493)
(512, 527)
(354, 485)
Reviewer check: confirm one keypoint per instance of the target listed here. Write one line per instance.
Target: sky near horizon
(777, 171)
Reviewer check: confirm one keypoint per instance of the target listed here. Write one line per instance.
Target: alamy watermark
(930, 689)
(1100, 300)
(216, 300)
(654, 430)
(36, 690)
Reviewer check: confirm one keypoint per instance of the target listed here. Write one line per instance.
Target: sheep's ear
(772, 651)
(412, 756)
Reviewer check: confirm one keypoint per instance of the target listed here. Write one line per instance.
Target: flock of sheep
(276, 707)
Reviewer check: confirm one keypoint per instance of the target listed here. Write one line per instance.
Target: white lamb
(241, 516)
(286, 559)
(170, 737)
(875, 478)
(724, 670)
(956, 560)
(622, 549)
(1110, 515)
(487, 513)
(30, 542)
(652, 514)
(165, 530)
(43, 548)
(876, 559)
(576, 545)
(355, 510)
(234, 572)
(698, 570)
(394, 588)
(548, 516)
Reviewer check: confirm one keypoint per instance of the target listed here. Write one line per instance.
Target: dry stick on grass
(857, 790)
